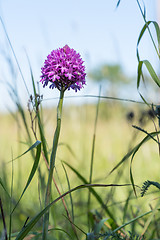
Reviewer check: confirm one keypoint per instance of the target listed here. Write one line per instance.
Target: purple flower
(63, 69)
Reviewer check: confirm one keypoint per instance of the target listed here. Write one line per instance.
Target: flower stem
(52, 164)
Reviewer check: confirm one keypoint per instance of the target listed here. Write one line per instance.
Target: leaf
(131, 177)
(156, 26)
(152, 72)
(146, 185)
(98, 226)
(33, 170)
(146, 62)
(135, 151)
(141, 35)
(129, 154)
(139, 73)
(34, 220)
(29, 149)
(131, 221)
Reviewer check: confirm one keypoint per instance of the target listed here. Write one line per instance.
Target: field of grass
(115, 137)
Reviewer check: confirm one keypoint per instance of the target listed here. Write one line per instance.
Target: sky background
(96, 29)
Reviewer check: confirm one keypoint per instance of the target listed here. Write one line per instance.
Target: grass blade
(4, 188)
(125, 210)
(92, 155)
(99, 199)
(69, 187)
(129, 154)
(136, 150)
(34, 220)
(29, 149)
(150, 70)
(10, 217)
(131, 221)
(3, 219)
(150, 218)
(10, 44)
(33, 170)
(157, 29)
(99, 225)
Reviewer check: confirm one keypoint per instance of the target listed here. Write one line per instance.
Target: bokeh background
(102, 33)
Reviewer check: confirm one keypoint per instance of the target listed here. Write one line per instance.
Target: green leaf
(132, 179)
(99, 226)
(139, 73)
(141, 35)
(156, 26)
(33, 170)
(129, 154)
(135, 151)
(146, 62)
(152, 72)
(29, 149)
(131, 221)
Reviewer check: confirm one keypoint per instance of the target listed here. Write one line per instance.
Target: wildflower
(63, 69)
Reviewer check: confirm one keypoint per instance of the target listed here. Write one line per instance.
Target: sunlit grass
(114, 138)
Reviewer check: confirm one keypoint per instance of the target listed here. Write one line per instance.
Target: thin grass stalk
(69, 187)
(52, 164)
(92, 156)
(10, 217)
(103, 97)
(71, 220)
(147, 223)
(40, 120)
(63, 201)
(10, 44)
(3, 219)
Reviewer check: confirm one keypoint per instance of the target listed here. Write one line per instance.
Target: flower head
(63, 69)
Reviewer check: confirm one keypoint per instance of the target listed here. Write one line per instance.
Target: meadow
(114, 138)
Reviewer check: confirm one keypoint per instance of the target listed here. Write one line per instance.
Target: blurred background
(105, 36)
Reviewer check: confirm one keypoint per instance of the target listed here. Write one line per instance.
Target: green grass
(114, 138)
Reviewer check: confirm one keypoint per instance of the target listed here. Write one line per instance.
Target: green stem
(52, 164)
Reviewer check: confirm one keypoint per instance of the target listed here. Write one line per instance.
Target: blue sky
(96, 29)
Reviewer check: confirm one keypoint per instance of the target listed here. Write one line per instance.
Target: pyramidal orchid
(63, 69)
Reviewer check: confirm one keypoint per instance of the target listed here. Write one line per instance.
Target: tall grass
(101, 164)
